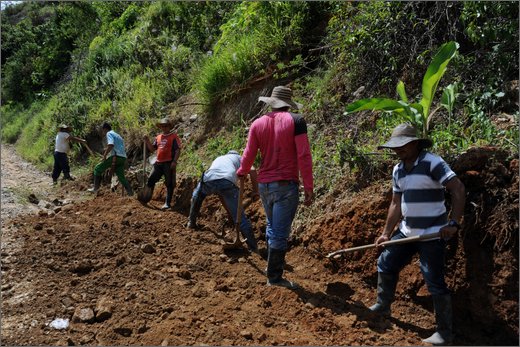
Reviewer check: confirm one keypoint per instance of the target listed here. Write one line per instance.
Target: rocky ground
(120, 273)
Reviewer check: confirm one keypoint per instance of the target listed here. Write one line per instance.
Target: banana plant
(416, 113)
(448, 99)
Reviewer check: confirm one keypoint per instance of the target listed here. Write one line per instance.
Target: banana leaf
(379, 104)
(402, 91)
(435, 72)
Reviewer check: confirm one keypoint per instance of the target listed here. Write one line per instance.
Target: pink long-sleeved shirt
(284, 148)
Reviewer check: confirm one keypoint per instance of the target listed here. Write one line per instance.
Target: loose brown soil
(149, 280)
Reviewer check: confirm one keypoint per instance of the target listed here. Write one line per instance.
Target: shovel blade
(144, 195)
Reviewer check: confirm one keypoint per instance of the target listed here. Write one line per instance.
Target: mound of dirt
(126, 274)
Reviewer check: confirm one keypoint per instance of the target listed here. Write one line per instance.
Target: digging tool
(144, 163)
(89, 150)
(228, 211)
(145, 194)
(386, 243)
(237, 243)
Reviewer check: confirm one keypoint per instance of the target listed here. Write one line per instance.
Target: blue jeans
(280, 200)
(431, 257)
(229, 193)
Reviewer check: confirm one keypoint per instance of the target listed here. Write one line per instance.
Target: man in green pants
(114, 158)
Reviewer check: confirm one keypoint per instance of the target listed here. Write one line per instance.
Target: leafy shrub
(256, 36)
(419, 113)
(40, 46)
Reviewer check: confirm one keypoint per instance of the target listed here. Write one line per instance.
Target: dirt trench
(126, 274)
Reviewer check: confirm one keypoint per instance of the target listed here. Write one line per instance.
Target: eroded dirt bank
(125, 274)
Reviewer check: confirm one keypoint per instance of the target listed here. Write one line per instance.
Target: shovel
(90, 150)
(237, 243)
(145, 194)
(144, 163)
(386, 243)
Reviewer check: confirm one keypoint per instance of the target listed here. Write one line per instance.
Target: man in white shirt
(61, 150)
(221, 179)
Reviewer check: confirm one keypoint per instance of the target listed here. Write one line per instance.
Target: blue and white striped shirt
(422, 189)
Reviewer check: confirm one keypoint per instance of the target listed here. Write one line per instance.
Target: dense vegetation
(130, 62)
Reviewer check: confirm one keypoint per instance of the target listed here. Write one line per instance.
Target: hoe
(337, 254)
(145, 194)
(237, 243)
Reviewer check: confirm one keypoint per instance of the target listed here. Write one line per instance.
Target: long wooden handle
(144, 162)
(88, 148)
(240, 208)
(386, 243)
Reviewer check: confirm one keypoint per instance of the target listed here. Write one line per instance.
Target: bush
(274, 31)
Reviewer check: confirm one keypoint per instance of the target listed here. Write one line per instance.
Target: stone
(83, 315)
(44, 204)
(142, 329)
(56, 202)
(33, 199)
(104, 309)
(184, 274)
(148, 248)
(82, 267)
(126, 332)
(246, 334)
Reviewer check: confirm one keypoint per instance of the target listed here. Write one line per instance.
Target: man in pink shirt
(282, 139)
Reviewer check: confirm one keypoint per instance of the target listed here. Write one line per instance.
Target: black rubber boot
(275, 264)
(444, 319)
(252, 245)
(386, 284)
(97, 184)
(128, 188)
(196, 204)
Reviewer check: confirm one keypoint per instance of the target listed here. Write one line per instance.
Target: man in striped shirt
(419, 182)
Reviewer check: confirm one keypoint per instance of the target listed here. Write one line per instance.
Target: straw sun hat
(280, 97)
(164, 121)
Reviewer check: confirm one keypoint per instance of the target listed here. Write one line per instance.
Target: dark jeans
(61, 163)
(431, 257)
(170, 178)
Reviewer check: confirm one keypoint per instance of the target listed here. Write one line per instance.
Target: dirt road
(26, 192)
(19, 180)
(120, 273)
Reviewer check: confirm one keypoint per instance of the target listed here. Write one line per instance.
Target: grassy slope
(138, 67)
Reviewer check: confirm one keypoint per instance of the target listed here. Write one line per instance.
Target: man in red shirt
(168, 146)
(281, 137)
